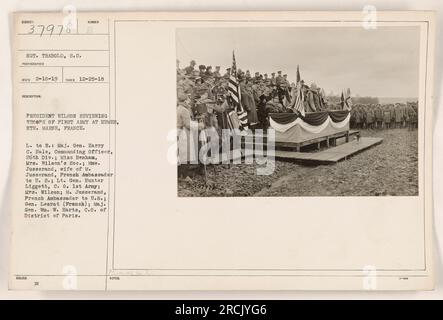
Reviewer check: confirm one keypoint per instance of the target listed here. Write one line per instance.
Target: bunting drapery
(312, 122)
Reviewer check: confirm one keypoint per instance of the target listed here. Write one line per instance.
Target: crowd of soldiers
(387, 116)
(204, 92)
(202, 95)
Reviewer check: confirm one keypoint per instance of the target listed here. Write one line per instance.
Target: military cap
(202, 66)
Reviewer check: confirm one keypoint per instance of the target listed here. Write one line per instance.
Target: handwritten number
(50, 28)
(43, 29)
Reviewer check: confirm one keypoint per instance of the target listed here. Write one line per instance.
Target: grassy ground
(390, 168)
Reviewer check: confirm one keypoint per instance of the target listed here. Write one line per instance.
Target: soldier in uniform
(279, 78)
(404, 113)
(190, 69)
(208, 73)
(257, 89)
(286, 87)
(378, 113)
(202, 70)
(186, 84)
(352, 120)
(370, 116)
(398, 114)
(217, 74)
(279, 82)
(267, 80)
(257, 77)
(412, 117)
(273, 81)
(392, 109)
(386, 116)
(227, 74)
(219, 90)
(248, 76)
(364, 116)
(357, 120)
(201, 87)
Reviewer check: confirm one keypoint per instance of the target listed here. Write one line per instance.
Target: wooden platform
(331, 140)
(330, 155)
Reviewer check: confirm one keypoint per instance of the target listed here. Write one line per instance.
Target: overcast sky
(381, 62)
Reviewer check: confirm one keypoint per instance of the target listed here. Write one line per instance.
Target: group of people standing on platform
(203, 96)
(386, 116)
(203, 91)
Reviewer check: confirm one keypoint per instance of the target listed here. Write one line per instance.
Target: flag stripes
(235, 93)
(299, 104)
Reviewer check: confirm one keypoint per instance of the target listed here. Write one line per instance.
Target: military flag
(235, 93)
(299, 105)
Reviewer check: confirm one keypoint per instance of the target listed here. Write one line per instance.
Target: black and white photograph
(223, 153)
(298, 111)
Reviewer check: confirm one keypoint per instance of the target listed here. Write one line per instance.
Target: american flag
(235, 93)
(299, 105)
